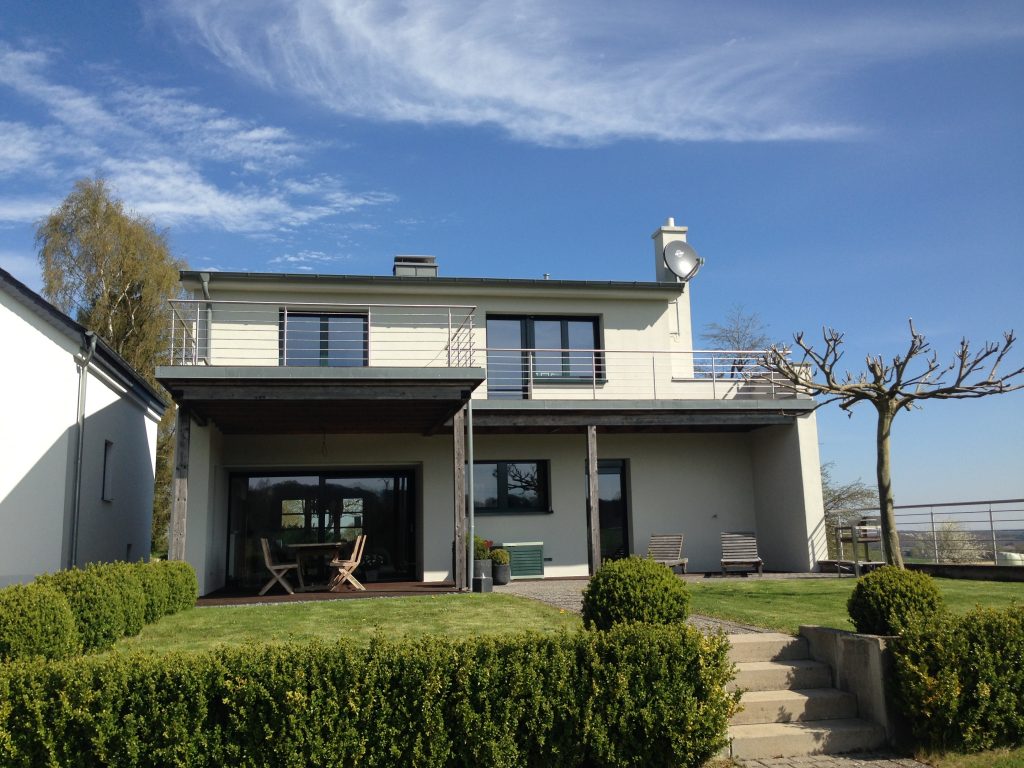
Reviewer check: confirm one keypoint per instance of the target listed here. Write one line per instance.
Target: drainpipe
(204, 277)
(470, 501)
(82, 359)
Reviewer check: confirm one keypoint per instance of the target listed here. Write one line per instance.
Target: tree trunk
(890, 536)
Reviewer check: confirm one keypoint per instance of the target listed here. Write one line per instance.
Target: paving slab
(860, 760)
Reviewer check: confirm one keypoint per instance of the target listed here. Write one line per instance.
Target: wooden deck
(378, 589)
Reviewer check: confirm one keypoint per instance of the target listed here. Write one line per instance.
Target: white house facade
(77, 444)
(573, 419)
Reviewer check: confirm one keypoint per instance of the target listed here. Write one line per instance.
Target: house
(315, 407)
(78, 433)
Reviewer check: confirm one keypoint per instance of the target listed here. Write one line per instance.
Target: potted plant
(481, 556)
(502, 568)
(371, 567)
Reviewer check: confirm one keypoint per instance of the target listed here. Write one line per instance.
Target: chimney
(415, 266)
(669, 233)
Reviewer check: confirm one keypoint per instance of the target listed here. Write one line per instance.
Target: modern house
(575, 415)
(78, 434)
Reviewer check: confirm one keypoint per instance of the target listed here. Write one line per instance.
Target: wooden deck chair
(740, 549)
(667, 549)
(278, 570)
(346, 566)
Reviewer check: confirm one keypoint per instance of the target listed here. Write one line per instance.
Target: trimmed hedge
(960, 679)
(105, 601)
(632, 590)
(36, 620)
(637, 695)
(886, 600)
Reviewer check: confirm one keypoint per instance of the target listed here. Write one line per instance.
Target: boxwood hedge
(36, 620)
(636, 695)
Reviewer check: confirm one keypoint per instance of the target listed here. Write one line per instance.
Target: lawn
(996, 758)
(785, 604)
(359, 620)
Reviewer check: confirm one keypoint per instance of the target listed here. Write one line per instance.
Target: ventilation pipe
(83, 359)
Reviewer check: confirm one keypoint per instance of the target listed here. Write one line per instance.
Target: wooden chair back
(268, 560)
(665, 546)
(741, 547)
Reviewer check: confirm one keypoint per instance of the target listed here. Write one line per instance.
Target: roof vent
(415, 266)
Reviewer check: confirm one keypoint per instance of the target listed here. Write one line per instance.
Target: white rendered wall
(38, 402)
(206, 526)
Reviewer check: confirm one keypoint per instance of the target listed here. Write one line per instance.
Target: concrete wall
(38, 444)
(790, 518)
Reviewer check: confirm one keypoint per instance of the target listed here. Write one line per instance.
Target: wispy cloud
(307, 261)
(573, 73)
(164, 153)
(23, 267)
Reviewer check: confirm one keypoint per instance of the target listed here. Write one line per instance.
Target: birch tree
(890, 387)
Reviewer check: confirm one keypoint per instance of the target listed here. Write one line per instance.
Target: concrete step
(766, 646)
(795, 706)
(826, 737)
(781, 675)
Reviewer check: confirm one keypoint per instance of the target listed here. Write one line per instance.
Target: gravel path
(567, 594)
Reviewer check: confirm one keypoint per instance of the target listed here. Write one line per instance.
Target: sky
(849, 165)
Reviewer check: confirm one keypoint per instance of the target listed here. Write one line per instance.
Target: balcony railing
(606, 374)
(244, 333)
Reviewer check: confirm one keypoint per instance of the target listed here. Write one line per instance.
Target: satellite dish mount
(682, 260)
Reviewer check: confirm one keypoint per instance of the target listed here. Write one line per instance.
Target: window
(107, 493)
(564, 352)
(510, 486)
(322, 339)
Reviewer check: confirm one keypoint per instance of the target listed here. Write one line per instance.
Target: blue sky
(849, 165)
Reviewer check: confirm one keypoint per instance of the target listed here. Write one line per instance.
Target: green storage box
(526, 559)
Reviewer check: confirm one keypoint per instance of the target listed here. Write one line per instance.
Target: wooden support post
(179, 512)
(593, 501)
(459, 472)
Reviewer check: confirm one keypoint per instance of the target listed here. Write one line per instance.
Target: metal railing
(610, 374)
(985, 532)
(244, 333)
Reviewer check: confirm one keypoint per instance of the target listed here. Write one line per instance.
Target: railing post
(714, 378)
(992, 530)
(450, 340)
(195, 339)
(654, 374)
(529, 375)
(170, 337)
(593, 375)
(935, 538)
(369, 333)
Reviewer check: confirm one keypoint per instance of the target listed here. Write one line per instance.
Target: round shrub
(884, 601)
(36, 620)
(499, 556)
(96, 604)
(157, 589)
(124, 577)
(182, 583)
(634, 590)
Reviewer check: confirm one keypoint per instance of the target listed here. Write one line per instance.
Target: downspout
(204, 277)
(83, 359)
(470, 501)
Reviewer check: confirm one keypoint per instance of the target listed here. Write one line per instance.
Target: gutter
(83, 359)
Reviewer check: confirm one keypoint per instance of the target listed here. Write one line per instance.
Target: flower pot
(502, 573)
(482, 567)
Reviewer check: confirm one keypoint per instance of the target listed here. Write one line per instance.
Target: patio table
(312, 551)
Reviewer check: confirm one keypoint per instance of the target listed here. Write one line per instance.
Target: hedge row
(61, 614)
(960, 679)
(637, 695)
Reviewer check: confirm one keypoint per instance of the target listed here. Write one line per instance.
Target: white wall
(206, 526)
(38, 402)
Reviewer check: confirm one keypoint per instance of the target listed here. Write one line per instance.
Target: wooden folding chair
(740, 550)
(667, 549)
(346, 566)
(278, 571)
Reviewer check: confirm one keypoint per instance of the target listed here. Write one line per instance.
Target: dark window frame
(501, 476)
(528, 339)
(324, 360)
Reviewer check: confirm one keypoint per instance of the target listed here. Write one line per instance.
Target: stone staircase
(790, 708)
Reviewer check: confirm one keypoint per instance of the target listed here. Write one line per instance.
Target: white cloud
(161, 152)
(557, 73)
(24, 268)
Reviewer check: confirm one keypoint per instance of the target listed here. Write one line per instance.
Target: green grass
(359, 620)
(785, 604)
(996, 758)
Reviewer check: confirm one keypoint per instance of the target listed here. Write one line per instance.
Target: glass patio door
(612, 508)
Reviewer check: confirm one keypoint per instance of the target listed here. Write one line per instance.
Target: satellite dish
(682, 260)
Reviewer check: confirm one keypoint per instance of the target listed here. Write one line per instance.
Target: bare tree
(741, 330)
(909, 379)
(843, 502)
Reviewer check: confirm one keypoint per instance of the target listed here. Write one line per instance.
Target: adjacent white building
(573, 418)
(77, 443)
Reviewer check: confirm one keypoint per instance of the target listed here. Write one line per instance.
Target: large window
(323, 339)
(563, 352)
(510, 486)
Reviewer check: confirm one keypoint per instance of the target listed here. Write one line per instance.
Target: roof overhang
(633, 416)
(283, 400)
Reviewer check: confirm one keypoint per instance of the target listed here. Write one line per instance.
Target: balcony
(390, 340)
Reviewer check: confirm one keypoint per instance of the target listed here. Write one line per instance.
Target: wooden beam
(459, 472)
(593, 501)
(179, 512)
